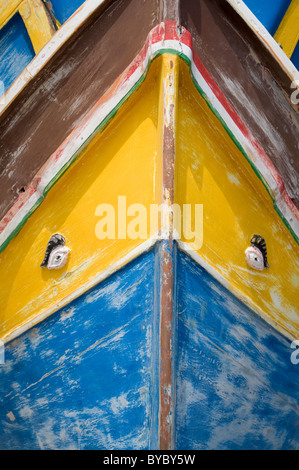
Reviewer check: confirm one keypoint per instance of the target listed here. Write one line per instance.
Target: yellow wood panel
(7, 9)
(121, 161)
(210, 170)
(37, 22)
(287, 34)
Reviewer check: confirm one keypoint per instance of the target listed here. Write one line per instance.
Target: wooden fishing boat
(149, 228)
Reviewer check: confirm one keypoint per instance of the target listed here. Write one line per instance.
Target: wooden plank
(287, 34)
(7, 9)
(120, 161)
(168, 96)
(38, 23)
(236, 385)
(94, 49)
(35, 16)
(85, 378)
(255, 84)
(16, 51)
(211, 170)
(228, 133)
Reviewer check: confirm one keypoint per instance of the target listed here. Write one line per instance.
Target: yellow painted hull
(125, 159)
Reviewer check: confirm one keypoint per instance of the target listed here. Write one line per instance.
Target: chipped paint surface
(205, 149)
(211, 171)
(36, 20)
(236, 385)
(16, 51)
(179, 43)
(88, 376)
(101, 174)
(85, 378)
(170, 90)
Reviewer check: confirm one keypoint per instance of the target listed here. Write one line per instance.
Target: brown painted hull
(51, 104)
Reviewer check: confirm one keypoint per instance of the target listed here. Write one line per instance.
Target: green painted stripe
(20, 225)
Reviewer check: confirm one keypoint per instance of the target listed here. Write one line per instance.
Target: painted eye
(58, 257)
(254, 258)
(256, 254)
(56, 253)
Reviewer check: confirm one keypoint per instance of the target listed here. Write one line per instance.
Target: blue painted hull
(236, 385)
(16, 52)
(88, 376)
(85, 378)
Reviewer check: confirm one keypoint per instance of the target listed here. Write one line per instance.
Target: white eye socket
(254, 258)
(58, 257)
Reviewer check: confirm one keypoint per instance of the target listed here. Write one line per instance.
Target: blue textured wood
(236, 385)
(63, 9)
(269, 12)
(86, 378)
(16, 51)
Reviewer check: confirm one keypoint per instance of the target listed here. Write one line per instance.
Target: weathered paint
(228, 34)
(226, 130)
(55, 43)
(7, 10)
(287, 34)
(281, 20)
(279, 299)
(295, 56)
(63, 9)
(87, 377)
(38, 23)
(268, 12)
(236, 385)
(211, 171)
(93, 50)
(35, 16)
(106, 170)
(16, 51)
(222, 31)
(169, 88)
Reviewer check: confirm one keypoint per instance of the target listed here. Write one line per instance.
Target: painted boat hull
(150, 337)
(87, 377)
